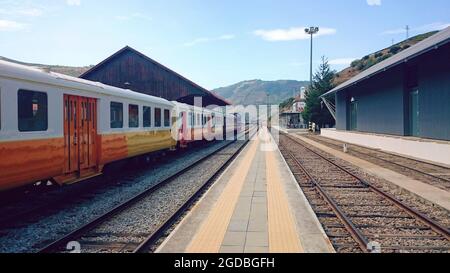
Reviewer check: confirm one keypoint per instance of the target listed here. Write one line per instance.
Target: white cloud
(419, 29)
(374, 2)
(73, 2)
(6, 25)
(33, 12)
(341, 61)
(29, 12)
(135, 15)
(207, 40)
(291, 34)
(226, 37)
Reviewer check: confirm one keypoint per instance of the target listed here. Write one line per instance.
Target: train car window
(147, 117)
(133, 116)
(180, 119)
(116, 115)
(158, 117)
(32, 111)
(166, 118)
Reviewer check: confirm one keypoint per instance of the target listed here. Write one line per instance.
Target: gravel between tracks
(362, 206)
(146, 216)
(32, 237)
(439, 175)
(433, 211)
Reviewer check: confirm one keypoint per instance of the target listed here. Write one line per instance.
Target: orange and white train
(65, 129)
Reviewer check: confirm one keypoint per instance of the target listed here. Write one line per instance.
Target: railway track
(426, 172)
(44, 201)
(357, 216)
(108, 233)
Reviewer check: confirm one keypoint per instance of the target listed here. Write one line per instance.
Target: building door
(80, 133)
(414, 113)
(353, 115)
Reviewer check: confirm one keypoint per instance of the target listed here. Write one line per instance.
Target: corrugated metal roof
(128, 48)
(437, 40)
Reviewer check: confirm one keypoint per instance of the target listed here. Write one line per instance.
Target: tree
(322, 83)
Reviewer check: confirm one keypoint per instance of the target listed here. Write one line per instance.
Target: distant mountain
(359, 66)
(256, 91)
(67, 70)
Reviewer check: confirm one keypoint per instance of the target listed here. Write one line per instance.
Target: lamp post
(311, 31)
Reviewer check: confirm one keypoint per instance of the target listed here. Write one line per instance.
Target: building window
(180, 119)
(166, 118)
(116, 115)
(147, 117)
(158, 117)
(32, 110)
(133, 116)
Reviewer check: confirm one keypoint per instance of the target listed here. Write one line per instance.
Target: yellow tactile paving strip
(210, 236)
(283, 236)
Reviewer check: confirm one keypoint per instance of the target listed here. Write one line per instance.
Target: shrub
(360, 66)
(394, 49)
(355, 63)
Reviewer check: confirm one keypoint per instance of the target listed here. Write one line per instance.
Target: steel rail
(359, 238)
(77, 233)
(159, 233)
(438, 228)
(395, 163)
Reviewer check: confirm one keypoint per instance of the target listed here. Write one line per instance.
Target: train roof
(195, 108)
(38, 75)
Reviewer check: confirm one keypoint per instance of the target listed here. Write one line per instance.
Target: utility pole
(407, 32)
(311, 31)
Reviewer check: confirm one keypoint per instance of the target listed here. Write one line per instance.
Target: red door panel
(80, 133)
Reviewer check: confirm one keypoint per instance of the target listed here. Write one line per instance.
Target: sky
(214, 43)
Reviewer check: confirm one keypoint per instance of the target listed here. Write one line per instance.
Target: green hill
(256, 91)
(67, 70)
(360, 65)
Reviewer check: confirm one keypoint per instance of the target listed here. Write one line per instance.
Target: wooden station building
(130, 69)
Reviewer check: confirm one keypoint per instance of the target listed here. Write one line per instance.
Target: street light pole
(311, 31)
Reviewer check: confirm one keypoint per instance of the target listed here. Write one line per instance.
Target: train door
(80, 134)
(414, 113)
(353, 115)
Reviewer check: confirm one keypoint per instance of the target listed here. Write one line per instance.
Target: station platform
(429, 150)
(256, 206)
(423, 190)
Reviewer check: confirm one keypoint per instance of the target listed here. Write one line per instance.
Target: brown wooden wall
(145, 76)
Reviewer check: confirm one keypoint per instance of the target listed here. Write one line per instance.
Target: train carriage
(196, 124)
(54, 126)
(65, 129)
